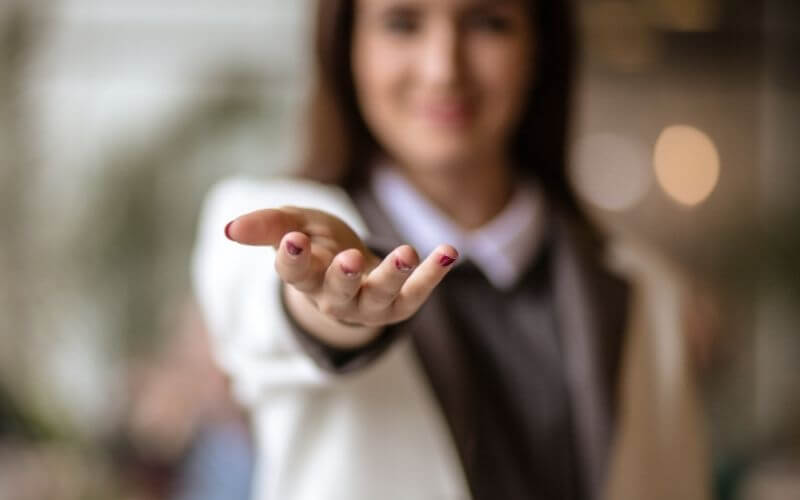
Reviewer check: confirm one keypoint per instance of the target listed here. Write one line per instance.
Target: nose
(441, 61)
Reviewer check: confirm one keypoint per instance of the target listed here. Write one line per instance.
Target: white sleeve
(238, 289)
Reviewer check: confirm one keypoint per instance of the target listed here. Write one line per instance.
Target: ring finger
(385, 281)
(342, 280)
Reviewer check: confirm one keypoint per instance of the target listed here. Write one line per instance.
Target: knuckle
(336, 310)
(401, 313)
(337, 293)
(343, 296)
(307, 282)
(289, 278)
(310, 278)
(327, 308)
(288, 273)
(381, 295)
(372, 320)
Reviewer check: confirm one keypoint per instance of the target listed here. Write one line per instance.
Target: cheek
(504, 76)
(380, 82)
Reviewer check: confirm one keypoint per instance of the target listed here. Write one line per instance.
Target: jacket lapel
(591, 307)
(591, 311)
(445, 362)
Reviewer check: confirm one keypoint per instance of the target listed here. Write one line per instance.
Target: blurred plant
(131, 256)
(16, 178)
(138, 248)
(53, 471)
(134, 245)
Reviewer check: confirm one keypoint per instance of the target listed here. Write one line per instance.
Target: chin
(447, 157)
(441, 163)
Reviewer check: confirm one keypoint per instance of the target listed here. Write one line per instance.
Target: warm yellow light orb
(686, 164)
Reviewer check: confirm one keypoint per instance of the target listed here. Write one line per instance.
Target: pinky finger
(423, 280)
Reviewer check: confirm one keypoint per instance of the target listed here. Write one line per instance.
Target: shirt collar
(502, 248)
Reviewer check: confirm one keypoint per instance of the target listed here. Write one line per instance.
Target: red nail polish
(293, 249)
(228, 230)
(401, 266)
(446, 260)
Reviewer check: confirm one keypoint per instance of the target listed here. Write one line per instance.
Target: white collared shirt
(502, 248)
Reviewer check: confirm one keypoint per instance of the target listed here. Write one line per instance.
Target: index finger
(264, 227)
(423, 280)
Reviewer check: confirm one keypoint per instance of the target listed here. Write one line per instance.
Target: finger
(325, 228)
(384, 282)
(342, 280)
(295, 263)
(421, 283)
(264, 227)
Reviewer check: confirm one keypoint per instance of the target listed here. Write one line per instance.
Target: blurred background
(117, 116)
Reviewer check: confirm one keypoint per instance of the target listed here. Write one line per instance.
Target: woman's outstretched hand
(338, 290)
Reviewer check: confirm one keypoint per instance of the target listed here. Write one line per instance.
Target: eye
(491, 22)
(401, 21)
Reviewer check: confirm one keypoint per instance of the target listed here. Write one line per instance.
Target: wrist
(327, 329)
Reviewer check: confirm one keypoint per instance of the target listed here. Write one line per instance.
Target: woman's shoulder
(234, 196)
(640, 260)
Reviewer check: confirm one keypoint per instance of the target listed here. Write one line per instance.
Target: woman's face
(442, 83)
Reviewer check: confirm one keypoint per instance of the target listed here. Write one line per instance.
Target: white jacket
(379, 433)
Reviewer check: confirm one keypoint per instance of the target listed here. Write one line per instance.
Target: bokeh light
(617, 34)
(684, 15)
(686, 164)
(610, 171)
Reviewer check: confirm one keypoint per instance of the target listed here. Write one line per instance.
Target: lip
(448, 113)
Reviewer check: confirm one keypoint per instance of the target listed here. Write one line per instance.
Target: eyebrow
(465, 3)
(489, 3)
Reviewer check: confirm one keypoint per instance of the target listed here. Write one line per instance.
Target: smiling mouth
(457, 113)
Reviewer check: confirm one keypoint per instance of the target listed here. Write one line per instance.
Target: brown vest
(526, 378)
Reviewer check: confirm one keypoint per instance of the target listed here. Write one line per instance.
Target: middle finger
(385, 281)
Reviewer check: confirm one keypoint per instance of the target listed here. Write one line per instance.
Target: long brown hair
(341, 147)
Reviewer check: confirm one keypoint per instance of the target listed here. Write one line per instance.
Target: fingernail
(349, 272)
(401, 266)
(293, 249)
(228, 230)
(446, 260)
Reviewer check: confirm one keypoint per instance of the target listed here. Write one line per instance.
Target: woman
(374, 373)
